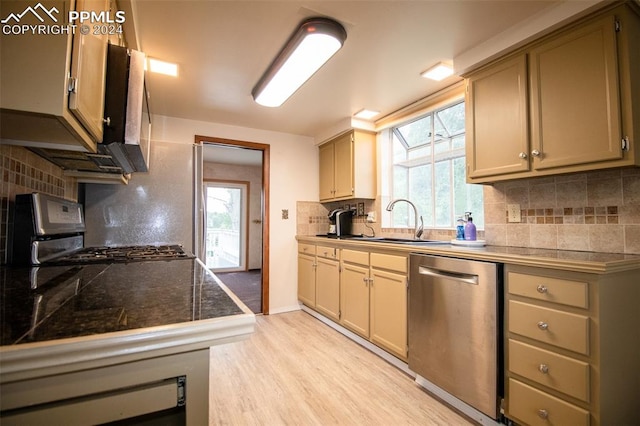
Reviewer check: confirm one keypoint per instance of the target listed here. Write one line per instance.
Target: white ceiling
(223, 47)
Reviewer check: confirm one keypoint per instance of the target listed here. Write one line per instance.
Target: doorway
(228, 167)
(226, 216)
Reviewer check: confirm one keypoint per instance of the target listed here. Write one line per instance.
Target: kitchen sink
(407, 241)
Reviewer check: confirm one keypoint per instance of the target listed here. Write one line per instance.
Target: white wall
(293, 176)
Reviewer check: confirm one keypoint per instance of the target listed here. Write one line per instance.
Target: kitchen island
(101, 343)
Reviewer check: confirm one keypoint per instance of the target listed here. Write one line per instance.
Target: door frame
(199, 139)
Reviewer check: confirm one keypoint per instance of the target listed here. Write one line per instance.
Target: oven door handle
(449, 275)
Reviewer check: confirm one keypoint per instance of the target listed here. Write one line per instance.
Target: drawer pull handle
(541, 289)
(543, 414)
(543, 325)
(543, 368)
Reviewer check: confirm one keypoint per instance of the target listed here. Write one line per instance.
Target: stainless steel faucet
(418, 229)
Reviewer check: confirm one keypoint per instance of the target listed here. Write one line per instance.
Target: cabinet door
(354, 286)
(328, 288)
(388, 295)
(327, 171)
(575, 102)
(344, 166)
(307, 279)
(88, 68)
(497, 120)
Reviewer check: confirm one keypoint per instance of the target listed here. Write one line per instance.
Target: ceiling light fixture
(162, 67)
(309, 47)
(438, 72)
(366, 114)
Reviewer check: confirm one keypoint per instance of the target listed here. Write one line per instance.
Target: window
(427, 166)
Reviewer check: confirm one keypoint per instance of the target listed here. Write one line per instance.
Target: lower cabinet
(373, 296)
(570, 355)
(365, 292)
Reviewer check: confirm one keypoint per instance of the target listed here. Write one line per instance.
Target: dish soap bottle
(460, 229)
(469, 228)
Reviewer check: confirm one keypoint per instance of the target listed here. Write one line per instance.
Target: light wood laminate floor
(295, 370)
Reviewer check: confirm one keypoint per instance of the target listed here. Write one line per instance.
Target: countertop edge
(30, 360)
(493, 254)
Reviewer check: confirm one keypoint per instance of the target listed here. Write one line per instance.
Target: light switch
(513, 213)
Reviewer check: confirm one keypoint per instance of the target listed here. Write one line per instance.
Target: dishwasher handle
(456, 276)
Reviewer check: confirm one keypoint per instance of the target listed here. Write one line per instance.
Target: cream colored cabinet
(566, 103)
(374, 298)
(53, 85)
(307, 274)
(347, 167)
(328, 282)
(569, 356)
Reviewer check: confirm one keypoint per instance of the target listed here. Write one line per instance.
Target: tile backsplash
(22, 172)
(593, 211)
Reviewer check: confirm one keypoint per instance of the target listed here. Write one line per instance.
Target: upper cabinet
(348, 167)
(53, 84)
(563, 104)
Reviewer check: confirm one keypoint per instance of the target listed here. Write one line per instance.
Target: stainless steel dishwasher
(455, 338)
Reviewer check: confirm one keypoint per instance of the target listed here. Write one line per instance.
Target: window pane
(417, 132)
(458, 142)
(399, 151)
(420, 192)
(444, 215)
(452, 118)
(423, 151)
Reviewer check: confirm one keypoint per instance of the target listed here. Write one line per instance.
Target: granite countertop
(88, 300)
(578, 261)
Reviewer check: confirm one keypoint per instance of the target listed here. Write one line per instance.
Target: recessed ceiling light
(438, 72)
(162, 67)
(366, 114)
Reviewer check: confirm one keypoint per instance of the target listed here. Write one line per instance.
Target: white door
(226, 226)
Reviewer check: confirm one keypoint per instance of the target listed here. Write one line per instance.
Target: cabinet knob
(543, 325)
(543, 414)
(535, 153)
(541, 289)
(523, 155)
(543, 368)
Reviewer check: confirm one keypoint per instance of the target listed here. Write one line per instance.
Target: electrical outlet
(371, 217)
(285, 214)
(513, 213)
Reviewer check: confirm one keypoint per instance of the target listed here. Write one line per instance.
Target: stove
(50, 231)
(123, 254)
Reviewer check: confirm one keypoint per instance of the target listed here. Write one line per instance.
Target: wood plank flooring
(295, 370)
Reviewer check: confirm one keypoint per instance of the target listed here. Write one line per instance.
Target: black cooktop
(123, 254)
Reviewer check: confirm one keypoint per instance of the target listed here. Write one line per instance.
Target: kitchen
(300, 178)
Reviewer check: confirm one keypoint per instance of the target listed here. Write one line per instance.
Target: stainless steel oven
(455, 329)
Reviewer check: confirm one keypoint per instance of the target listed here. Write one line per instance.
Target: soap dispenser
(469, 228)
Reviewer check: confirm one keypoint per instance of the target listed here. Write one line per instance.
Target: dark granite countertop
(74, 301)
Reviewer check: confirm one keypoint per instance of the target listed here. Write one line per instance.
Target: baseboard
(284, 309)
(396, 362)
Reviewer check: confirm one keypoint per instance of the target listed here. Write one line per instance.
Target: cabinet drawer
(566, 292)
(309, 249)
(390, 262)
(327, 252)
(563, 329)
(556, 371)
(355, 256)
(535, 407)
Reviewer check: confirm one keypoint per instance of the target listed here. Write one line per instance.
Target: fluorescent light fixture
(366, 114)
(162, 67)
(309, 47)
(438, 72)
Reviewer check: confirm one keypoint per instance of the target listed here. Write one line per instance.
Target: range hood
(127, 126)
